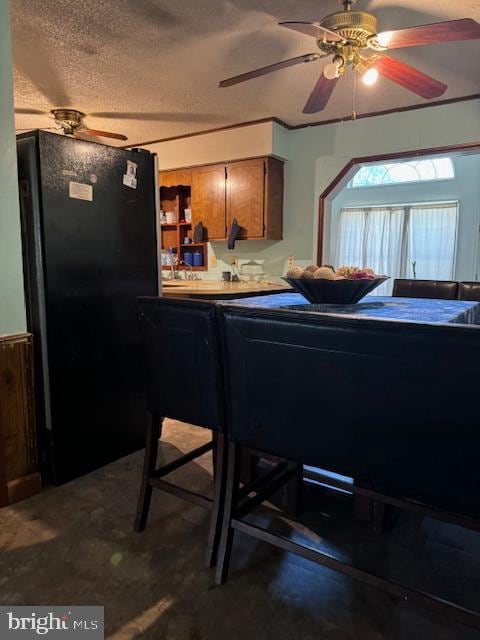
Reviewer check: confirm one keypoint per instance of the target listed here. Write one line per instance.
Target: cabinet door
(208, 200)
(168, 178)
(184, 177)
(246, 196)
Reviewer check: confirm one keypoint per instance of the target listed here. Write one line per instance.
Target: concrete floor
(75, 545)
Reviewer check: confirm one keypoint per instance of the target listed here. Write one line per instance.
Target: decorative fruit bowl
(335, 291)
(347, 285)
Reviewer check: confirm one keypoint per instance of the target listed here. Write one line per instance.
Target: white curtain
(389, 239)
(431, 241)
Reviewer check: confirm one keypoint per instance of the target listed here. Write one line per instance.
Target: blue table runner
(409, 309)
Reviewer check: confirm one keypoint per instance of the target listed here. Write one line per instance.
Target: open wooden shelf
(178, 198)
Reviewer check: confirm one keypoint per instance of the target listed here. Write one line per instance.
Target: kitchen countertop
(213, 289)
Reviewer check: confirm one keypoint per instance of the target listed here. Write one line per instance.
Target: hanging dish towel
(234, 231)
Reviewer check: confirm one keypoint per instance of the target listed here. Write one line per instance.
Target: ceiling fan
(71, 121)
(351, 38)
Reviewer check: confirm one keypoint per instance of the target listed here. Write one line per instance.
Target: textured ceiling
(150, 68)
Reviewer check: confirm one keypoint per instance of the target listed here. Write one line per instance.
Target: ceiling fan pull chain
(354, 96)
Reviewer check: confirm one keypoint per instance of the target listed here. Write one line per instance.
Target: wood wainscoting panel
(19, 475)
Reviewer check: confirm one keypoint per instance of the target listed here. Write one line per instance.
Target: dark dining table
(425, 310)
(393, 309)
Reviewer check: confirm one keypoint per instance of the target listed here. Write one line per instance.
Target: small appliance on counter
(252, 269)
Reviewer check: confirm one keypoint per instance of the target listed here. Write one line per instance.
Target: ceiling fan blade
(410, 78)
(308, 57)
(313, 29)
(30, 112)
(452, 30)
(102, 134)
(79, 135)
(320, 95)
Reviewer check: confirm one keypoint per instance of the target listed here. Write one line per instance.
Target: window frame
(350, 184)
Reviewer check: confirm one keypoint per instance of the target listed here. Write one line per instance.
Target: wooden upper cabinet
(184, 177)
(208, 200)
(167, 179)
(246, 197)
(274, 186)
(250, 191)
(175, 178)
(255, 198)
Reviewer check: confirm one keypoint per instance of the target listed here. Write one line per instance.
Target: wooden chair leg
(369, 510)
(154, 431)
(293, 489)
(231, 498)
(220, 457)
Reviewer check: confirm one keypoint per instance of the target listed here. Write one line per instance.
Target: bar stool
(469, 291)
(184, 381)
(441, 289)
(327, 421)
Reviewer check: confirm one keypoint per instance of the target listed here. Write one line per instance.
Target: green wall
(317, 155)
(12, 303)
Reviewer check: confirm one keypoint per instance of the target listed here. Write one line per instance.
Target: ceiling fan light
(384, 38)
(370, 77)
(330, 70)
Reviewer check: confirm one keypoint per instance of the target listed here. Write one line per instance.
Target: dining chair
(184, 380)
(469, 291)
(441, 289)
(392, 404)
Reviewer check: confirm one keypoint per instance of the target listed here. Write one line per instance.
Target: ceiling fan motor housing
(70, 119)
(352, 25)
(357, 28)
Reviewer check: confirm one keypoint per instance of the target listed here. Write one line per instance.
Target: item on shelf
(226, 276)
(171, 217)
(198, 258)
(198, 233)
(188, 215)
(187, 240)
(163, 217)
(188, 258)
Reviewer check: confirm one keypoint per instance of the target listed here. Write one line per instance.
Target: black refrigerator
(90, 248)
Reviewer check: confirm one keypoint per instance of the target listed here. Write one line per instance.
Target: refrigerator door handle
(157, 222)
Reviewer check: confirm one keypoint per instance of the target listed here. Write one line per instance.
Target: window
(401, 172)
(389, 239)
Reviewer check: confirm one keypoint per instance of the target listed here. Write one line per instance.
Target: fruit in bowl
(325, 284)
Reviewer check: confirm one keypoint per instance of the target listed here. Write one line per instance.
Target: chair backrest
(391, 404)
(444, 289)
(469, 291)
(182, 357)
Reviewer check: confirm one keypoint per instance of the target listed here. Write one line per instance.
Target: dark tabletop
(409, 309)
